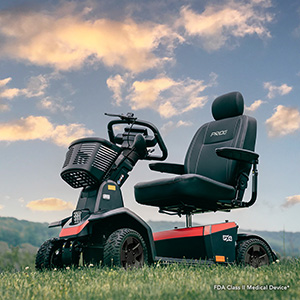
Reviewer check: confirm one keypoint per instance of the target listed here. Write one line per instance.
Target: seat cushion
(188, 189)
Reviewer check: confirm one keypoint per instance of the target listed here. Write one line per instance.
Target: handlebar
(130, 119)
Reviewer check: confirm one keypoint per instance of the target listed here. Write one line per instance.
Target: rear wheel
(49, 255)
(253, 252)
(125, 248)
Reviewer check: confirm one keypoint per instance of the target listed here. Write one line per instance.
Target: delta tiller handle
(131, 120)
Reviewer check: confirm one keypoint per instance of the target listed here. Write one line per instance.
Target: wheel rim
(132, 254)
(55, 258)
(256, 256)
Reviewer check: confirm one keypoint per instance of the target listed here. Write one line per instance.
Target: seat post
(188, 220)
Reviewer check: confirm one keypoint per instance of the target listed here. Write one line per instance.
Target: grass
(155, 282)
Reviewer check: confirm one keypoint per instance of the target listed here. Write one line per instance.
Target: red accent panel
(178, 233)
(193, 231)
(72, 230)
(222, 226)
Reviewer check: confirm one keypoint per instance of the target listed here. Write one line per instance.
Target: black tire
(49, 255)
(253, 252)
(125, 248)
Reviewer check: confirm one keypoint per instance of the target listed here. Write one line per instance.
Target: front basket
(88, 161)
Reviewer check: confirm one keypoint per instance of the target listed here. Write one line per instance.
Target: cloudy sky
(64, 63)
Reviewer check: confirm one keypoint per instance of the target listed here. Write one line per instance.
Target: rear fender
(246, 236)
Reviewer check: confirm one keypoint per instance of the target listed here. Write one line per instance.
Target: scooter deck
(215, 243)
(189, 262)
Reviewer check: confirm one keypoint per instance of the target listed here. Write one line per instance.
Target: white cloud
(50, 204)
(54, 104)
(66, 39)
(168, 127)
(70, 40)
(254, 106)
(181, 123)
(291, 201)
(5, 81)
(63, 135)
(115, 84)
(167, 110)
(274, 90)
(4, 107)
(285, 120)
(7, 93)
(29, 128)
(36, 86)
(10, 93)
(40, 128)
(167, 96)
(219, 23)
(145, 93)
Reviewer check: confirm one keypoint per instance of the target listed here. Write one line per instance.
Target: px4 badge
(227, 238)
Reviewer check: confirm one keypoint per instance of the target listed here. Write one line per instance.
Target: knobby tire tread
(243, 247)
(113, 245)
(43, 257)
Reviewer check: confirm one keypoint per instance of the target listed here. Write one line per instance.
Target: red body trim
(193, 231)
(72, 230)
(178, 233)
(222, 226)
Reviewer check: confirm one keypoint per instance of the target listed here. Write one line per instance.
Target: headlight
(79, 215)
(76, 216)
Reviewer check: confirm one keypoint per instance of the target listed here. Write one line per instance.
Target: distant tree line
(17, 258)
(16, 232)
(19, 242)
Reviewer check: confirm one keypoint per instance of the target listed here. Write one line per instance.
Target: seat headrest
(228, 105)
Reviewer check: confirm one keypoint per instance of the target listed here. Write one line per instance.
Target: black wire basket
(88, 161)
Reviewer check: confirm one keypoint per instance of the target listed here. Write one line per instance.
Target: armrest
(238, 154)
(167, 168)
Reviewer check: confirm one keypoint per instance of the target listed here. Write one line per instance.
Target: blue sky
(64, 63)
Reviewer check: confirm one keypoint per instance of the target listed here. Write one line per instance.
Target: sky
(63, 64)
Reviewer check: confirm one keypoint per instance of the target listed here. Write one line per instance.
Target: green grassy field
(156, 282)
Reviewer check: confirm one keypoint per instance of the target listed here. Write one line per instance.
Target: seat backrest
(230, 129)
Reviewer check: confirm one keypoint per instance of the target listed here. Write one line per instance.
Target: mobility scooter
(213, 178)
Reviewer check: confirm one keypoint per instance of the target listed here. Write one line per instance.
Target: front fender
(123, 218)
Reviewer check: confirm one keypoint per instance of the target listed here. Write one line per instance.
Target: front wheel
(253, 252)
(125, 248)
(49, 255)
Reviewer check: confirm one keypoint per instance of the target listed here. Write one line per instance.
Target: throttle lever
(129, 116)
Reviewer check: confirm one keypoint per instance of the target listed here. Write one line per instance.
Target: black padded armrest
(238, 154)
(167, 168)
